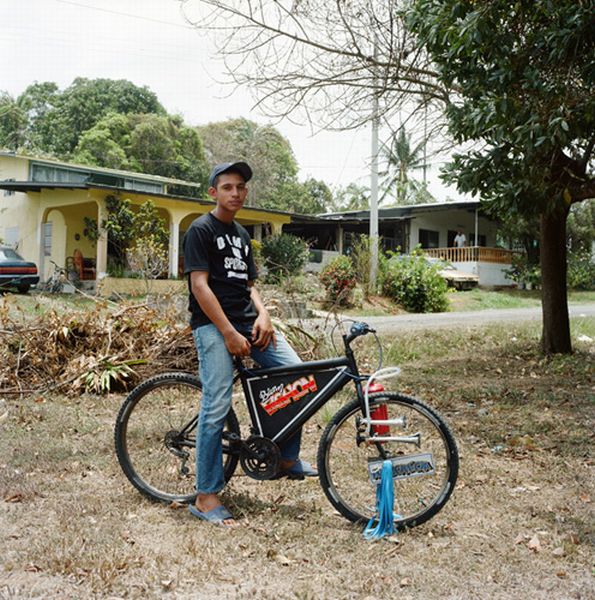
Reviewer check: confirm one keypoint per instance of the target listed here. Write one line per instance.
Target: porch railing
(472, 254)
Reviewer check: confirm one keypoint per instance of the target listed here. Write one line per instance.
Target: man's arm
(262, 332)
(235, 342)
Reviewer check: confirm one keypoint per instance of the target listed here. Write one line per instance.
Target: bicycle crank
(260, 458)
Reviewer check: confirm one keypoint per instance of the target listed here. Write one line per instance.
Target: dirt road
(462, 319)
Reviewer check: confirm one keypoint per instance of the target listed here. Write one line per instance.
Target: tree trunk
(555, 338)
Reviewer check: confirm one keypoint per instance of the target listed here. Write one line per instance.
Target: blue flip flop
(217, 515)
(300, 470)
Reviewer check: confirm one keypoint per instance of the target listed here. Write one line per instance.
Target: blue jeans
(216, 372)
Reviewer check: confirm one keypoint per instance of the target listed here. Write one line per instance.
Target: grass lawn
(519, 524)
(480, 299)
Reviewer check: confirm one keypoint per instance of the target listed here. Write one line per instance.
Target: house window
(142, 186)
(481, 238)
(49, 173)
(47, 238)
(429, 238)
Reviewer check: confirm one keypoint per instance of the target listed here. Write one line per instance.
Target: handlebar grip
(357, 329)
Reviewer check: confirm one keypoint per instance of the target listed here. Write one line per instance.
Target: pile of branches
(96, 350)
(102, 349)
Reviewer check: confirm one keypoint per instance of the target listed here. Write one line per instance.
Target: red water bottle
(379, 412)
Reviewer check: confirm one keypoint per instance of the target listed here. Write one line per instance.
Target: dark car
(15, 271)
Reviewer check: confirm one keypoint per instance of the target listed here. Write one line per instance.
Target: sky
(149, 43)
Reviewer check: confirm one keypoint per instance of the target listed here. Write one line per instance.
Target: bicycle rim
(343, 465)
(155, 437)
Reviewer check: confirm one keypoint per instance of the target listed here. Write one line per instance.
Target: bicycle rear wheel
(155, 437)
(420, 490)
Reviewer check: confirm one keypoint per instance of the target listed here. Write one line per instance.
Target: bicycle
(59, 277)
(155, 436)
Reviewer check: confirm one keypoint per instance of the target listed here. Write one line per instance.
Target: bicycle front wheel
(425, 460)
(155, 437)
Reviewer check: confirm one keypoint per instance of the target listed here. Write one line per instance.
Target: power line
(124, 14)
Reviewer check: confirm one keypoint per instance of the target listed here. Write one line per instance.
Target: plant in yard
(523, 272)
(415, 283)
(339, 279)
(107, 376)
(283, 255)
(581, 270)
(148, 257)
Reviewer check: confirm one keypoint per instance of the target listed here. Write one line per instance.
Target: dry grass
(519, 524)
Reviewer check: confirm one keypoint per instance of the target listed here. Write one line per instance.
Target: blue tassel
(385, 501)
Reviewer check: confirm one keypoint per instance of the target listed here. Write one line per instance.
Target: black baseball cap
(236, 167)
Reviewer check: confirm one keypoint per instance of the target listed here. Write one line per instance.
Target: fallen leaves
(534, 544)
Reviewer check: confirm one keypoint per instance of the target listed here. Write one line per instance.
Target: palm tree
(400, 159)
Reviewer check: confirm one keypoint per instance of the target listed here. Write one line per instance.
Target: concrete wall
(19, 211)
(493, 274)
(490, 274)
(316, 267)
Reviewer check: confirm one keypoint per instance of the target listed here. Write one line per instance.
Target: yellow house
(43, 205)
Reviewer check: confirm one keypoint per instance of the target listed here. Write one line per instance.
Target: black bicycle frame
(280, 400)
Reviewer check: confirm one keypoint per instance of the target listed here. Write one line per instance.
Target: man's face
(230, 193)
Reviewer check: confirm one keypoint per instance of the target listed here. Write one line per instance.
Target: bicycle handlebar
(358, 329)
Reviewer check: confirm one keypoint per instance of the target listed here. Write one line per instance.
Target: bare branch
(320, 61)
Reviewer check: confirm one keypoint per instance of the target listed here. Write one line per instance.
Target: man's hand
(236, 344)
(262, 332)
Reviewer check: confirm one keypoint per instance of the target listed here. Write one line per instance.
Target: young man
(228, 319)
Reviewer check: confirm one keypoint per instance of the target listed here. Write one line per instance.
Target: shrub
(415, 283)
(338, 278)
(257, 253)
(283, 255)
(581, 270)
(523, 272)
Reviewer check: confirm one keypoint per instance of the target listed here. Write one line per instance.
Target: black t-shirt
(225, 252)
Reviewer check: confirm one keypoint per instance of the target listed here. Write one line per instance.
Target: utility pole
(374, 184)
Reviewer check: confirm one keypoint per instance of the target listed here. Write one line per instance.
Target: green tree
(268, 153)
(319, 198)
(352, 197)
(523, 76)
(80, 106)
(401, 158)
(581, 227)
(145, 143)
(36, 101)
(13, 121)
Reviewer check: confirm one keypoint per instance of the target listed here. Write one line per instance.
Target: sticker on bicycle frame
(404, 467)
(279, 396)
(277, 400)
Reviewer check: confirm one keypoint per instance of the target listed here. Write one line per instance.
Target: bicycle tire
(343, 464)
(150, 443)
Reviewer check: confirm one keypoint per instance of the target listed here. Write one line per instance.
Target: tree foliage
(103, 122)
(401, 157)
(275, 184)
(283, 255)
(525, 100)
(58, 119)
(13, 122)
(145, 143)
(524, 79)
(352, 197)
